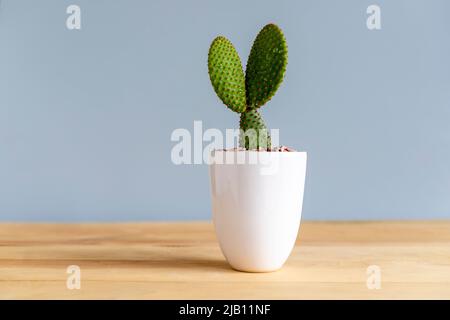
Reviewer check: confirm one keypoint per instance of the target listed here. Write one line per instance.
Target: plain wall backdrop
(86, 115)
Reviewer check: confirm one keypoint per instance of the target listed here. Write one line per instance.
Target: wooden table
(183, 261)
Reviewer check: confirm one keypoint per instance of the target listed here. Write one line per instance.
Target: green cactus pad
(226, 74)
(266, 66)
(251, 119)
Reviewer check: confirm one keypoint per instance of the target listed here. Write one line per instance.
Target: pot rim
(259, 152)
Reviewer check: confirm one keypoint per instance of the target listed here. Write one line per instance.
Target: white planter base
(257, 207)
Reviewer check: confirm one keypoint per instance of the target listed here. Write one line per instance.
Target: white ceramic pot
(257, 206)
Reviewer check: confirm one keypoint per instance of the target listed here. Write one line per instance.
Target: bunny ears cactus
(244, 94)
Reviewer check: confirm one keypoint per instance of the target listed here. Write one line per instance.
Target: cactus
(244, 94)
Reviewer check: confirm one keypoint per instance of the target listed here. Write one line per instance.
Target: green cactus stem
(226, 74)
(254, 133)
(266, 66)
(244, 94)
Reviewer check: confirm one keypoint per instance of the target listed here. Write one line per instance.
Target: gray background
(86, 116)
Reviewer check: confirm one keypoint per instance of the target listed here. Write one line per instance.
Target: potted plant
(256, 204)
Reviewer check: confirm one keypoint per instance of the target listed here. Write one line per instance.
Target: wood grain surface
(183, 261)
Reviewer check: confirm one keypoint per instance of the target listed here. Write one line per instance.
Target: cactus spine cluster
(246, 93)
